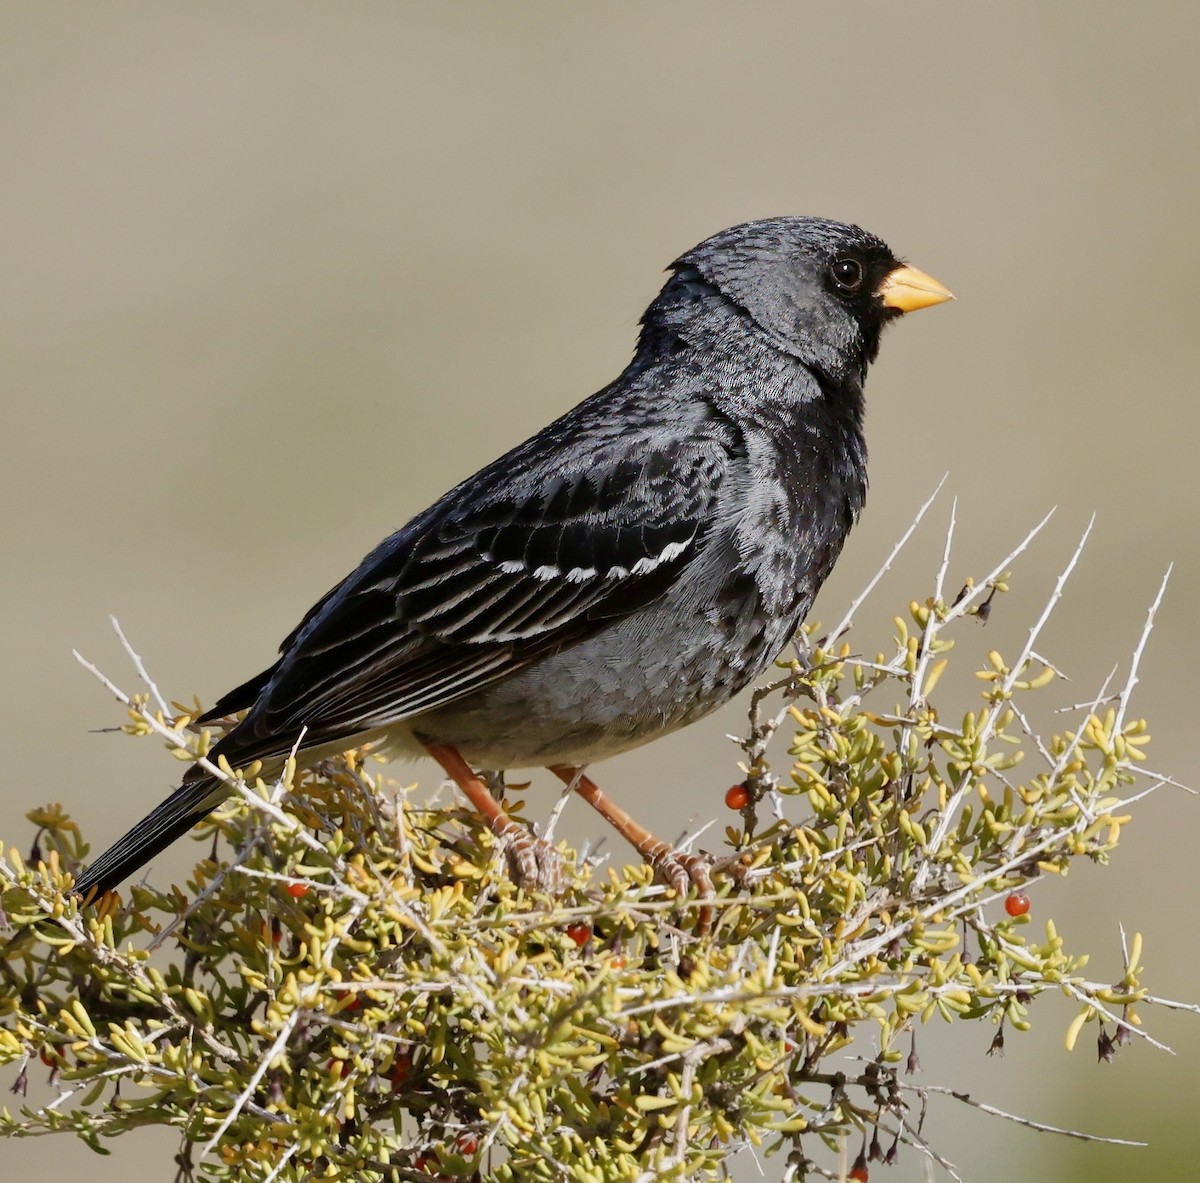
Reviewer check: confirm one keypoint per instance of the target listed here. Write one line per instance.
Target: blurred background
(276, 275)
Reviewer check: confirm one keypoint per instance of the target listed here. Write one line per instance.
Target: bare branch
(843, 624)
(1027, 1122)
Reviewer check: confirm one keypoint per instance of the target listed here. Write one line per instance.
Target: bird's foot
(736, 867)
(684, 872)
(534, 864)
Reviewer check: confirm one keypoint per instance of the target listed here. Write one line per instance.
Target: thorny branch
(360, 988)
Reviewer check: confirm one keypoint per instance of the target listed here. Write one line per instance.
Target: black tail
(191, 802)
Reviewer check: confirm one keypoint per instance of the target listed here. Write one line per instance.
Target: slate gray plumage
(626, 570)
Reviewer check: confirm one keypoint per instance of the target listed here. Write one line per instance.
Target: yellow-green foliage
(368, 996)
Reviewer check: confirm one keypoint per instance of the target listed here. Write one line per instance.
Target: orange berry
(297, 890)
(1017, 904)
(737, 796)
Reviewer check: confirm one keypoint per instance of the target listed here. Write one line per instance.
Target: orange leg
(678, 870)
(534, 862)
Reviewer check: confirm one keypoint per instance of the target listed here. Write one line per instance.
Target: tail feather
(190, 803)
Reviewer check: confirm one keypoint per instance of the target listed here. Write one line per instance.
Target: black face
(810, 284)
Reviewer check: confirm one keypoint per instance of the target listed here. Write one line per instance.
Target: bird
(619, 575)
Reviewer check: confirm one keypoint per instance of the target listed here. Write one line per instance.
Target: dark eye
(847, 274)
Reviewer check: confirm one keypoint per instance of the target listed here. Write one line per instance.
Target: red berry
(401, 1067)
(467, 1145)
(737, 796)
(861, 1174)
(580, 932)
(1017, 904)
(297, 890)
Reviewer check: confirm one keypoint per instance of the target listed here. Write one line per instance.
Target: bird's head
(818, 289)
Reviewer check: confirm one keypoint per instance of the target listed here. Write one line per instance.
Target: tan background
(274, 276)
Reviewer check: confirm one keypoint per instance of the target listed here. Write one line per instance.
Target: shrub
(358, 989)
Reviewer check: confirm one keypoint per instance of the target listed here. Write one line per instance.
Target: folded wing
(510, 566)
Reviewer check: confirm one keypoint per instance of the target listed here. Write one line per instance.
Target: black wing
(527, 556)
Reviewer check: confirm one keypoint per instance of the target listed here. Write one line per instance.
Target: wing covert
(485, 583)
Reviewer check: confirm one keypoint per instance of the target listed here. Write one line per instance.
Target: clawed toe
(683, 872)
(534, 863)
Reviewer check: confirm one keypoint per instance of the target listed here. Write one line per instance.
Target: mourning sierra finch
(620, 574)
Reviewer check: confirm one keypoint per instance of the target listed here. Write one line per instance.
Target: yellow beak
(908, 289)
